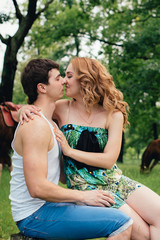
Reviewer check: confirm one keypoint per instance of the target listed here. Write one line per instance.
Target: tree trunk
(13, 45)
(8, 74)
(154, 124)
(155, 131)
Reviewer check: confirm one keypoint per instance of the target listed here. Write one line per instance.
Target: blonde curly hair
(97, 86)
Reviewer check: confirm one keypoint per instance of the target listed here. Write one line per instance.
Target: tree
(135, 66)
(64, 27)
(14, 43)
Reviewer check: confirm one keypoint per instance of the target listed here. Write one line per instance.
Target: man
(40, 207)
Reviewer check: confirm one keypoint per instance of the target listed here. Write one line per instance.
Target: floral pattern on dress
(111, 180)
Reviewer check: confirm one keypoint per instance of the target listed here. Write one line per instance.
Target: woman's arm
(25, 113)
(112, 149)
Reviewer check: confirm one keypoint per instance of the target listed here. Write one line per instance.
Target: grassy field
(8, 227)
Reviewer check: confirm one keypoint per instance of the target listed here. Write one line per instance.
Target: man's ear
(41, 88)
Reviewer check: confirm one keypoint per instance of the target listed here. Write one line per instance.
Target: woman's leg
(147, 204)
(140, 229)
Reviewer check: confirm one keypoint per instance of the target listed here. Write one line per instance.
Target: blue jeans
(71, 221)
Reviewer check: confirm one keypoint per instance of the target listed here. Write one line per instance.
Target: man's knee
(125, 235)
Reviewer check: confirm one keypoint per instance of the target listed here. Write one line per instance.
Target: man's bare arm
(36, 140)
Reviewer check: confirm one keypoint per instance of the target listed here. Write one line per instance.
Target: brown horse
(8, 123)
(151, 152)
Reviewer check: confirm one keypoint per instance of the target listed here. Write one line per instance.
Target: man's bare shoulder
(36, 126)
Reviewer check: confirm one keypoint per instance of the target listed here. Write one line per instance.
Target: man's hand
(98, 198)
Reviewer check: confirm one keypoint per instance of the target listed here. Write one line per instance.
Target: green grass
(151, 180)
(7, 225)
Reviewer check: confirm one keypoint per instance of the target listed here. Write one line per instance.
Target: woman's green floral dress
(83, 177)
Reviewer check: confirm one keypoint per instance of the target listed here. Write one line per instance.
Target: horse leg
(10, 168)
(1, 168)
(1, 158)
(146, 161)
(5, 159)
(154, 163)
(145, 165)
(8, 161)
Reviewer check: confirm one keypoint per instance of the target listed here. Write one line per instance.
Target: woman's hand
(98, 198)
(66, 149)
(25, 113)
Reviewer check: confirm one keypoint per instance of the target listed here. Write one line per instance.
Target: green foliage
(19, 96)
(3, 18)
(58, 33)
(135, 66)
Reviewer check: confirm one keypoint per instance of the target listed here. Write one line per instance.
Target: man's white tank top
(22, 204)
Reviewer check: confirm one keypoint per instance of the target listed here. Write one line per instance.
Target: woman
(93, 121)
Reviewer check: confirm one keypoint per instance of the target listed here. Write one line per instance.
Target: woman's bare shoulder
(117, 115)
(62, 103)
(61, 108)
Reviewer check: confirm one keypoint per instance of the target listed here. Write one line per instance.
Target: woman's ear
(41, 88)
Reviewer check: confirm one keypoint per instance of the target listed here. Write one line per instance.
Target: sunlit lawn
(7, 225)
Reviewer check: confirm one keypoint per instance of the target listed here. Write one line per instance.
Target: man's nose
(64, 80)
